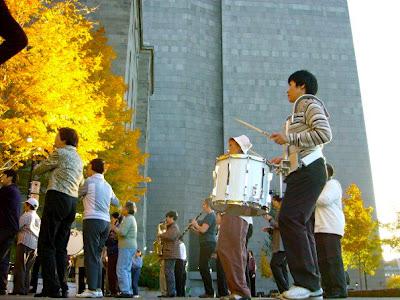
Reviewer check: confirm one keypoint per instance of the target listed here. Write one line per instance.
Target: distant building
(215, 60)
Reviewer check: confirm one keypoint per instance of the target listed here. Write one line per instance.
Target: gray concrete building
(215, 60)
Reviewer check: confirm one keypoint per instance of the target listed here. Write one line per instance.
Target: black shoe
(64, 294)
(206, 296)
(40, 295)
(162, 296)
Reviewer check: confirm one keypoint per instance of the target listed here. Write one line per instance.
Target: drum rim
(240, 156)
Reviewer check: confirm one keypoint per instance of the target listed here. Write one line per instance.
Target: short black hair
(97, 165)
(115, 215)
(130, 206)
(172, 214)
(276, 198)
(330, 170)
(11, 173)
(69, 136)
(306, 78)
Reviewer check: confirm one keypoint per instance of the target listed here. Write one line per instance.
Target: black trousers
(180, 277)
(279, 270)
(330, 263)
(95, 234)
(206, 251)
(6, 240)
(58, 214)
(221, 280)
(296, 222)
(35, 274)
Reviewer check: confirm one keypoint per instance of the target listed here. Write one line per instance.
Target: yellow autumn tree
(124, 159)
(361, 243)
(64, 79)
(47, 86)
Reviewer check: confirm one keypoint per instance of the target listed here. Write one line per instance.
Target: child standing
(29, 224)
(137, 264)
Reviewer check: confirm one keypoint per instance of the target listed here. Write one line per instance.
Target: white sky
(376, 26)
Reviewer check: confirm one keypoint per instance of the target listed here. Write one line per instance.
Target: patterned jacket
(65, 167)
(170, 242)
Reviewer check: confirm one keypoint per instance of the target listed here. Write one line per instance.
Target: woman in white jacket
(329, 229)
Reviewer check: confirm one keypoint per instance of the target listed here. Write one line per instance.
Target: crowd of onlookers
(45, 239)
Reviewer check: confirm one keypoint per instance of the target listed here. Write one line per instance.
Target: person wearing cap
(29, 227)
(231, 246)
(97, 196)
(10, 199)
(127, 246)
(307, 129)
(170, 250)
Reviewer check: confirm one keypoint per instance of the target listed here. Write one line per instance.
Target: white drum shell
(75, 242)
(241, 185)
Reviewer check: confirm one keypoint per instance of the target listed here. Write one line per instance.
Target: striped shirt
(308, 128)
(29, 224)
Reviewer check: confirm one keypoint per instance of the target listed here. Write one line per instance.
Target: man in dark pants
(307, 129)
(10, 199)
(15, 38)
(278, 261)
(207, 230)
(65, 167)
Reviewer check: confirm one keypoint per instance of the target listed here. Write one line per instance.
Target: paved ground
(153, 295)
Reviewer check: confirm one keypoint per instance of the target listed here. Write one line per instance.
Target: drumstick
(248, 125)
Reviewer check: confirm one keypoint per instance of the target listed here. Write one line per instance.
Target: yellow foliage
(64, 79)
(265, 266)
(393, 282)
(361, 243)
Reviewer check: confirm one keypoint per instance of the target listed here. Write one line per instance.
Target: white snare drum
(75, 243)
(241, 185)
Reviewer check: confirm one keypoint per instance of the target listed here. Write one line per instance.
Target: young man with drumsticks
(231, 247)
(307, 129)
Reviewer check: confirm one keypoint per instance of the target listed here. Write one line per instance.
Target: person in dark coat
(10, 199)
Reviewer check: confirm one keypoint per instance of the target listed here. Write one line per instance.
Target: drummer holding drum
(231, 248)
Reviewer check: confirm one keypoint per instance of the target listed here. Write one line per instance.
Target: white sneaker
(317, 294)
(99, 293)
(88, 294)
(136, 296)
(296, 292)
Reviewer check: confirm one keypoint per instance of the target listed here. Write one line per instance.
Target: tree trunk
(365, 279)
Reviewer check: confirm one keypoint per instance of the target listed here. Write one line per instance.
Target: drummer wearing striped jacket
(307, 129)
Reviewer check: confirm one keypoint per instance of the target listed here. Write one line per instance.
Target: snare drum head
(75, 242)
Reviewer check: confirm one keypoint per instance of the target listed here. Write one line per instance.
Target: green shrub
(149, 276)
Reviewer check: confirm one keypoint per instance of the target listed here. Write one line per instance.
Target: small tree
(393, 282)
(361, 243)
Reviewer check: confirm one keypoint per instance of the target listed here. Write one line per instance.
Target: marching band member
(207, 229)
(231, 248)
(307, 129)
(170, 251)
